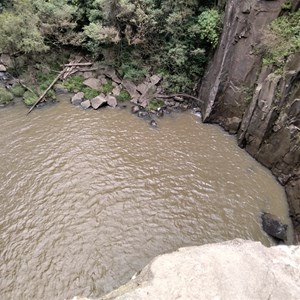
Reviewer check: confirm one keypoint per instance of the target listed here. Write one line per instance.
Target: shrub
(5, 96)
(17, 90)
(90, 93)
(155, 104)
(74, 83)
(282, 39)
(107, 87)
(29, 98)
(124, 96)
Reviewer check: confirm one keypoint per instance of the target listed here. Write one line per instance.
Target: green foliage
(19, 29)
(74, 84)
(29, 98)
(5, 96)
(132, 71)
(286, 5)
(207, 26)
(124, 96)
(155, 104)
(107, 87)
(90, 93)
(17, 90)
(282, 39)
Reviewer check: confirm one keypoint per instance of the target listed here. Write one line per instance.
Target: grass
(90, 93)
(107, 87)
(155, 104)
(124, 96)
(5, 96)
(29, 98)
(282, 39)
(17, 90)
(74, 84)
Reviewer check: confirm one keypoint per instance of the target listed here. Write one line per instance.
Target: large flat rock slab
(231, 270)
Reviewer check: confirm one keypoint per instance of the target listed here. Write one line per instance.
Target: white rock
(93, 83)
(231, 270)
(112, 101)
(77, 98)
(98, 101)
(2, 68)
(86, 104)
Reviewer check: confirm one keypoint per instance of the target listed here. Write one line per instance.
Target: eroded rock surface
(259, 104)
(232, 270)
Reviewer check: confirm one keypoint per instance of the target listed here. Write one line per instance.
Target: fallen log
(78, 64)
(27, 88)
(47, 90)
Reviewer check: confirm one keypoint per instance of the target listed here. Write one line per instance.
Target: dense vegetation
(171, 37)
(282, 38)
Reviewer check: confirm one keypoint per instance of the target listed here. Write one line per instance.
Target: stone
(143, 114)
(86, 104)
(77, 98)
(6, 60)
(232, 124)
(130, 88)
(153, 123)
(135, 109)
(112, 101)
(155, 79)
(116, 90)
(98, 101)
(274, 227)
(142, 88)
(235, 269)
(59, 89)
(2, 68)
(87, 75)
(93, 83)
(111, 73)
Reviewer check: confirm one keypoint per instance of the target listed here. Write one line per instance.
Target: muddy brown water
(88, 198)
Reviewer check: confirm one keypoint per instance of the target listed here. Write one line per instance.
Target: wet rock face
(232, 270)
(234, 67)
(260, 105)
(274, 227)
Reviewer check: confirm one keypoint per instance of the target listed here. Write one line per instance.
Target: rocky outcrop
(260, 105)
(232, 270)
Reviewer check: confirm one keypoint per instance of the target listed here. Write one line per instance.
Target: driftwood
(26, 87)
(178, 95)
(47, 90)
(78, 64)
(70, 69)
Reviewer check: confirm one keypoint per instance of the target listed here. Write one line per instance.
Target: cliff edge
(236, 269)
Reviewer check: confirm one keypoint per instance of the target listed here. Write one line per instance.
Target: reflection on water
(87, 198)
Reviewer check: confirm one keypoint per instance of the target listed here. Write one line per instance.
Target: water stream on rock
(88, 198)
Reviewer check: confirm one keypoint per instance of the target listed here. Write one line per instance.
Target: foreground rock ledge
(236, 269)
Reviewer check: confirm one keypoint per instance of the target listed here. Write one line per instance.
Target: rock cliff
(259, 104)
(232, 270)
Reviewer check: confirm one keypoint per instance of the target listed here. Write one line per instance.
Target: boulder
(111, 73)
(59, 89)
(2, 68)
(77, 98)
(153, 123)
(131, 88)
(87, 75)
(135, 109)
(98, 101)
(274, 227)
(6, 60)
(86, 104)
(234, 270)
(112, 101)
(93, 83)
(155, 79)
(232, 125)
(116, 91)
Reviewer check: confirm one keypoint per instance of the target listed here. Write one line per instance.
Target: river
(88, 198)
